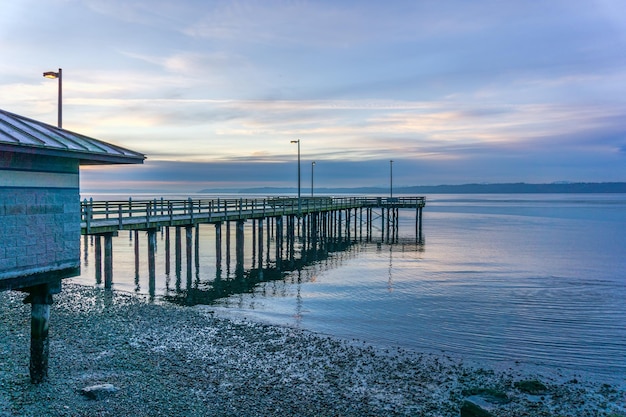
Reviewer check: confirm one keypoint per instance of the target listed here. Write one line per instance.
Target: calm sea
(539, 279)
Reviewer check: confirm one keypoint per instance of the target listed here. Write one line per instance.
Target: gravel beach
(167, 360)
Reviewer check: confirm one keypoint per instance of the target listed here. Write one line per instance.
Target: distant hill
(505, 188)
(513, 188)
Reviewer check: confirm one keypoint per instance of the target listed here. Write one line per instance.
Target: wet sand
(167, 360)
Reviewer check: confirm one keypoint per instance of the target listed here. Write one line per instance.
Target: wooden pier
(313, 221)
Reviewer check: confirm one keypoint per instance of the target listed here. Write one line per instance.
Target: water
(538, 279)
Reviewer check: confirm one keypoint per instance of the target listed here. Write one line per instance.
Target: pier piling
(108, 260)
(239, 242)
(178, 250)
(311, 224)
(98, 258)
(218, 247)
(151, 260)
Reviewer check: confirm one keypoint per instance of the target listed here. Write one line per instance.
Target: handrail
(145, 211)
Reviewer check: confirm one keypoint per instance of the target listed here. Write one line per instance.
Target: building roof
(23, 135)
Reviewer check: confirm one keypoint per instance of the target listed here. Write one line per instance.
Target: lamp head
(51, 74)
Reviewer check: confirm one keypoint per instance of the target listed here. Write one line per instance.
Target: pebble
(177, 361)
(99, 392)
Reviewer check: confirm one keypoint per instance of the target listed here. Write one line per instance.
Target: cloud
(285, 22)
(447, 88)
(216, 130)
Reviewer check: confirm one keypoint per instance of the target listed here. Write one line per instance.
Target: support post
(189, 248)
(86, 249)
(136, 247)
(178, 250)
(108, 260)
(360, 223)
(196, 250)
(218, 247)
(239, 239)
(228, 246)
(260, 243)
(420, 225)
(389, 214)
(397, 225)
(348, 234)
(279, 242)
(98, 266)
(270, 228)
(254, 239)
(151, 261)
(382, 226)
(291, 227)
(417, 219)
(370, 224)
(40, 299)
(167, 250)
(339, 226)
(313, 223)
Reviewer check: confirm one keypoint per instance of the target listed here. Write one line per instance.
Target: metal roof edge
(84, 157)
(116, 155)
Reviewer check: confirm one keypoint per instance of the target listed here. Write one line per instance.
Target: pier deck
(100, 217)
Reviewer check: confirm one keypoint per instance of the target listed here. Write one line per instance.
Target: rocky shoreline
(165, 360)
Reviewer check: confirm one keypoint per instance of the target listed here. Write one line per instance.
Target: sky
(213, 92)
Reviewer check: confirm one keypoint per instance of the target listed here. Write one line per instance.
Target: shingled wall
(39, 219)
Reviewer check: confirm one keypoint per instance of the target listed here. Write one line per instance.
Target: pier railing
(109, 216)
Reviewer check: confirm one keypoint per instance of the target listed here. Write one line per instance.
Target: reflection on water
(203, 291)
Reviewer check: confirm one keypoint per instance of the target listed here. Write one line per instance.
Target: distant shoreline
(504, 188)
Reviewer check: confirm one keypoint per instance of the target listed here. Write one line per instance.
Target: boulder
(532, 387)
(469, 409)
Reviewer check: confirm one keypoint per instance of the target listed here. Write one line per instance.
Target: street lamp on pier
(59, 75)
(299, 204)
(312, 172)
(391, 178)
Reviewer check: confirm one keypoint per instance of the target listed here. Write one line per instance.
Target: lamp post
(59, 75)
(391, 178)
(299, 205)
(312, 172)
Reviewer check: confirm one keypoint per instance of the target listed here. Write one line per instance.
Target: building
(40, 207)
